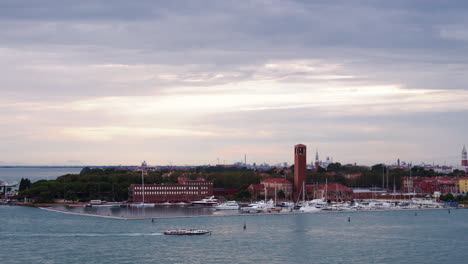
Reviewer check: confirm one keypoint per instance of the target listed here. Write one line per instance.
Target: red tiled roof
(256, 186)
(275, 180)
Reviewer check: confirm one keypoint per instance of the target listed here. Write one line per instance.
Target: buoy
(245, 226)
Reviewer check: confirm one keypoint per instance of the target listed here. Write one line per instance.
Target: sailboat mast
(275, 194)
(303, 191)
(383, 177)
(143, 186)
(326, 189)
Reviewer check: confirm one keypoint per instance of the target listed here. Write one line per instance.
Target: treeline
(373, 177)
(104, 184)
(113, 184)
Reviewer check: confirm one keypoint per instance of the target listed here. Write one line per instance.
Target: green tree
(334, 167)
(71, 196)
(24, 185)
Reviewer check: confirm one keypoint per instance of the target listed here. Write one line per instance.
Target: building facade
(330, 192)
(185, 190)
(300, 168)
(429, 185)
(463, 185)
(271, 186)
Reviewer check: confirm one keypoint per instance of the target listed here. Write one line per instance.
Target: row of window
(172, 188)
(198, 183)
(164, 193)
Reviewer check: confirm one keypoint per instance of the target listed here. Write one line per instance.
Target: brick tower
(300, 167)
(464, 158)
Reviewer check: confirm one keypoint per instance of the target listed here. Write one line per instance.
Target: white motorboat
(258, 207)
(428, 203)
(314, 205)
(141, 205)
(208, 201)
(99, 203)
(181, 232)
(229, 205)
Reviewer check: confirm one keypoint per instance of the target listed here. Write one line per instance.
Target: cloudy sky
(188, 82)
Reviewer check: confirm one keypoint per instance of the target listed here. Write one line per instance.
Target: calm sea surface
(31, 235)
(34, 173)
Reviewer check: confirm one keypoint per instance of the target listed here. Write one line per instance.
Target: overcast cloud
(187, 82)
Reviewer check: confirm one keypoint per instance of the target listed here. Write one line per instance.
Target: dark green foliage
(24, 184)
(334, 167)
(105, 184)
(238, 180)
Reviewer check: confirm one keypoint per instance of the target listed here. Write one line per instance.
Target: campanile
(300, 167)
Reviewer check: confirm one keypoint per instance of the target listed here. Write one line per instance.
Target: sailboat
(274, 208)
(142, 204)
(308, 207)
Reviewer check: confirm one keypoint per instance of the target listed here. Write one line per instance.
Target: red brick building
(333, 192)
(185, 190)
(300, 168)
(271, 185)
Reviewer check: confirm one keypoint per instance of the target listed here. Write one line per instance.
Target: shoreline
(50, 209)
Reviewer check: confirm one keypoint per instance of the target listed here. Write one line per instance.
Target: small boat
(187, 232)
(208, 201)
(258, 207)
(229, 205)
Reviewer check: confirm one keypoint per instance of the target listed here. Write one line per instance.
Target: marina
(126, 212)
(360, 236)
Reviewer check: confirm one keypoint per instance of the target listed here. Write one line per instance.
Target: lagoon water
(11, 174)
(31, 235)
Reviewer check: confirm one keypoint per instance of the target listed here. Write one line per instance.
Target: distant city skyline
(187, 82)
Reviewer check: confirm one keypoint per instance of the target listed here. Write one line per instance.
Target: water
(30, 235)
(158, 211)
(35, 173)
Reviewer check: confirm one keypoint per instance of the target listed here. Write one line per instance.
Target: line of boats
(270, 206)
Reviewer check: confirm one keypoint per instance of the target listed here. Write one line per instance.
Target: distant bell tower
(464, 161)
(317, 162)
(300, 167)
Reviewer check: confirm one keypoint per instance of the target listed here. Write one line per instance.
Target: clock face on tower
(300, 151)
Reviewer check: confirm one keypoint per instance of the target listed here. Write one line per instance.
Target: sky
(96, 82)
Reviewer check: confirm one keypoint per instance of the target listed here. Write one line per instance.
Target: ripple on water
(371, 237)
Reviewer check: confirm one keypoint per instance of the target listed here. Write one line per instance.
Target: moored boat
(208, 201)
(229, 205)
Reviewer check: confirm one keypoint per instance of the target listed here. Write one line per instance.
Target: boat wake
(88, 235)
